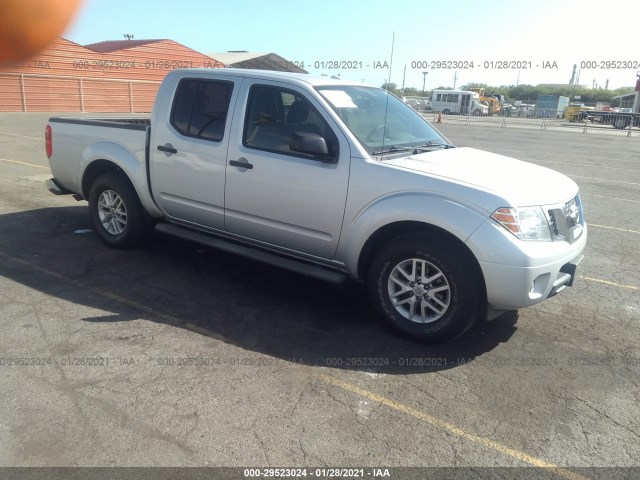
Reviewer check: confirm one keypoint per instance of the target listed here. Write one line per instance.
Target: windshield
(362, 109)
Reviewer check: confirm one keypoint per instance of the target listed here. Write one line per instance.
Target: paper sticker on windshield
(339, 98)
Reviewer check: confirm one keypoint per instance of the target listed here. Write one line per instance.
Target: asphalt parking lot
(177, 355)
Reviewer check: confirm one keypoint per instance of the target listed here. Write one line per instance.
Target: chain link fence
(614, 123)
(543, 116)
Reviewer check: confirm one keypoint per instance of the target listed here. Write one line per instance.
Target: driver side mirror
(311, 144)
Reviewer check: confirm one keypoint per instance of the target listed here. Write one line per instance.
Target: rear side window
(200, 108)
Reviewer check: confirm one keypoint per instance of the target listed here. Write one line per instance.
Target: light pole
(636, 100)
(424, 80)
(404, 76)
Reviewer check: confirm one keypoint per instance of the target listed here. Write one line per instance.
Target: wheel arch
(106, 156)
(96, 169)
(388, 232)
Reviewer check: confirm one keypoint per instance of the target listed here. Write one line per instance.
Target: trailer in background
(621, 117)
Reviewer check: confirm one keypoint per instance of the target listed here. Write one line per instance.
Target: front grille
(566, 220)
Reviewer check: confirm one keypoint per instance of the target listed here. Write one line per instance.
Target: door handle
(168, 148)
(238, 163)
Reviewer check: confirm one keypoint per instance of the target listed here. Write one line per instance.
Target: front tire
(425, 288)
(116, 212)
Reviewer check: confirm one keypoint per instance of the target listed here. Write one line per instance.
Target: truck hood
(520, 183)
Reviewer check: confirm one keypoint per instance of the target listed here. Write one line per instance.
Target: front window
(274, 114)
(378, 119)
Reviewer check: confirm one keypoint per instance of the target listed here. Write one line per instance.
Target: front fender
(451, 214)
(128, 161)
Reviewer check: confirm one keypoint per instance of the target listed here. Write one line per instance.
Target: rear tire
(116, 212)
(425, 288)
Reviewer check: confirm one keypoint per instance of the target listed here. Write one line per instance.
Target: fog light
(539, 286)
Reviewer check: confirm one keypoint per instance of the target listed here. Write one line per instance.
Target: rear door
(189, 150)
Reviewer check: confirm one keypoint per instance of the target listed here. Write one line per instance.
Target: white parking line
(589, 165)
(22, 163)
(605, 180)
(609, 198)
(612, 228)
(592, 155)
(22, 136)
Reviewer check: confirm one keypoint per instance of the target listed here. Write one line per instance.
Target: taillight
(47, 141)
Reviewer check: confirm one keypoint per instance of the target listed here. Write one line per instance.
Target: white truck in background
(330, 179)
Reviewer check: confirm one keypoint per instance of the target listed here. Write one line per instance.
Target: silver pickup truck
(331, 179)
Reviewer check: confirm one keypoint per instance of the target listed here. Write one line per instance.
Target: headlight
(526, 223)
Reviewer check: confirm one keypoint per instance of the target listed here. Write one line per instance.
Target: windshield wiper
(415, 149)
(431, 144)
(393, 149)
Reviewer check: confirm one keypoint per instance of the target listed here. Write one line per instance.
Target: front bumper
(566, 276)
(517, 273)
(511, 288)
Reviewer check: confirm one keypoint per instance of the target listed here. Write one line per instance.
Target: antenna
(393, 41)
(404, 76)
(386, 106)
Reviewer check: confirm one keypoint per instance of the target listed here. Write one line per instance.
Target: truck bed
(75, 137)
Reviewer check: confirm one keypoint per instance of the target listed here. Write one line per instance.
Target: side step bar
(300, 267)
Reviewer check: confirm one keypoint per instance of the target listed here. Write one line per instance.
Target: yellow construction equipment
(493, 102)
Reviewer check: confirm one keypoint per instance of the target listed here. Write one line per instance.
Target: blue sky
(534, 32)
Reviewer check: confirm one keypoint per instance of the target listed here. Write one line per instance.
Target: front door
(277, 195)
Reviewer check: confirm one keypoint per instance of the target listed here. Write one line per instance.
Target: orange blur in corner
(29, 26)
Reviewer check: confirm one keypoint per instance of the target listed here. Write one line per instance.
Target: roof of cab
(313, 80)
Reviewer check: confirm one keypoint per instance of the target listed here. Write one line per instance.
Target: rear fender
(132, 164)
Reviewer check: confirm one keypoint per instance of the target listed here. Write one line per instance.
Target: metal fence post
(81, 94)
(23, 96)
(130, 97)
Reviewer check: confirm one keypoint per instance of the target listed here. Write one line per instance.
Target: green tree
(471, 85)
(527, 93)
